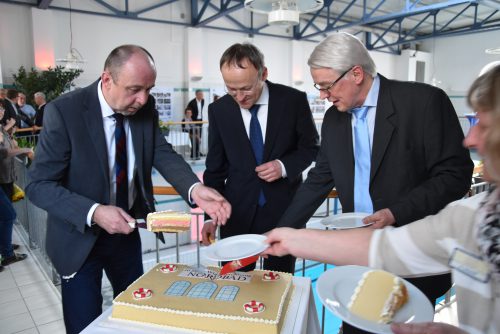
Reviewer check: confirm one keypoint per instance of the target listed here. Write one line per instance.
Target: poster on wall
(163, 97)
(318, 106)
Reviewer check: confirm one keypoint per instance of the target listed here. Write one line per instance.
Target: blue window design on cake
(203, 290)
(227, 293)
(177, 288)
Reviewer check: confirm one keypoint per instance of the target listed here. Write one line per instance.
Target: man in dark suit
(258, 186)
(417, 163)
(93, 188)
(40, 101)
(199, 114)
(196, 105)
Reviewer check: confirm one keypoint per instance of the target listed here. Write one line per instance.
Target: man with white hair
(392, 149)
(40, 101)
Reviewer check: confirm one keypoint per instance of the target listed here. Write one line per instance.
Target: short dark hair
(238, 52)
(11, 94)
(119, 56)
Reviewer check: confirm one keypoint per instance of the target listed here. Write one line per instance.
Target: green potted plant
(53, 82)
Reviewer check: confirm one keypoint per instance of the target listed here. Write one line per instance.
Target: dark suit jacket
(194, 108)
(291, 137)
(10, 112)
(71, 173)
(39, 115)
(418, 163)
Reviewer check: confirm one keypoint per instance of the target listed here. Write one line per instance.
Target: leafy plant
(165, 126)
(53, 82)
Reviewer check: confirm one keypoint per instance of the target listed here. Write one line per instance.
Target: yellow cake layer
(168, 221)
(206, 314)
(376, 295)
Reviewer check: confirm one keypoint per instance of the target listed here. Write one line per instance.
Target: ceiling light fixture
(493, 51)
(283, 12)
(74, 58)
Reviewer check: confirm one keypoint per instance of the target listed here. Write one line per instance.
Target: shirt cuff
(283, 170)
(191, 201)
(91, 213)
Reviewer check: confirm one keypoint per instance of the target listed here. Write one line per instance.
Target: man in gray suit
(81, 175)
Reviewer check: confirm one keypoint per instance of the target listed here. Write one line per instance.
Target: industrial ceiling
(386, 25)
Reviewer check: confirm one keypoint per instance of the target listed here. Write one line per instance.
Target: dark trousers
(120, 256)
(433, 287)
(7, 217)
(261, 222)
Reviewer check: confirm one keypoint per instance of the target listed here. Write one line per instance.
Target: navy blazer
(418, 162)
(70, 172)
(291, 137)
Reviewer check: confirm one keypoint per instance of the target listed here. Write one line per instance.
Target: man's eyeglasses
(244, 91)
(326, 89)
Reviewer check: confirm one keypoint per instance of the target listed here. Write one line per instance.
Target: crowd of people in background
(24, 115)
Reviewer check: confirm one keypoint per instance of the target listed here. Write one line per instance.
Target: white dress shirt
(263, 101)
(109, 124)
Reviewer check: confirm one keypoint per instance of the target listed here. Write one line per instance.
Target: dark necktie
(362, 162)
(121, 163)
(257, 142)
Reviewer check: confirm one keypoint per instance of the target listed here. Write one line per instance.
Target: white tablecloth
(178, 138)
(301, 317)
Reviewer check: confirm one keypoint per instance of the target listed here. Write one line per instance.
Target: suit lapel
(95, 128)
(384, 127)
(275, 110)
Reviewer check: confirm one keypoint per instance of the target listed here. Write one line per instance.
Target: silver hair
(41, 94)
(340, 52)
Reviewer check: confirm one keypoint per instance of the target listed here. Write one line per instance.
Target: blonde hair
(484, 95)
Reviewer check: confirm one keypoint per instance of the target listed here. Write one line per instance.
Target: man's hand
(269, 171)
(380, 219)
(281, 240)
(213, 203)
(208, 233)
(425, 328)
(112, 219)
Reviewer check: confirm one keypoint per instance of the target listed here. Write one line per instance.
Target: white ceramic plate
(237, 247)
(336, 286)
(345, 221)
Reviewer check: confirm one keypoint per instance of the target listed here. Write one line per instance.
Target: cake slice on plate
(378, 296)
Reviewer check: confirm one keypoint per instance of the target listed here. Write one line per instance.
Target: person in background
(9, 111)
(92, 175)
(24, 120)
(40, 102)
(466, 229)
(26, 108)
(391, 149)
(197, 106)
(262, 137)
(8, 150)
(194, 135)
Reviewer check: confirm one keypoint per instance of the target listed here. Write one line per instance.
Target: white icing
(212, 315)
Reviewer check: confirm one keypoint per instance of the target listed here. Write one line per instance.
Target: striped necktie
(362, 162)
(121, 163)
(257, 142)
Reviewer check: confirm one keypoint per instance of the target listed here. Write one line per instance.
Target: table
(301, 317)
(178, 138)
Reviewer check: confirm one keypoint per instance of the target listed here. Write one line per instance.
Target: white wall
(455, 62)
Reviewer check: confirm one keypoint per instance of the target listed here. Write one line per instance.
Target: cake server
(141, 223)
(237, 264)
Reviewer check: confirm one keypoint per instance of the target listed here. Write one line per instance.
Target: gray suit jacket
(70, 172)
(418, 163)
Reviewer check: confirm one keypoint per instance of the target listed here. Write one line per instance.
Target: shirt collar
(264, 96)
(105, 108)
(372, 97)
